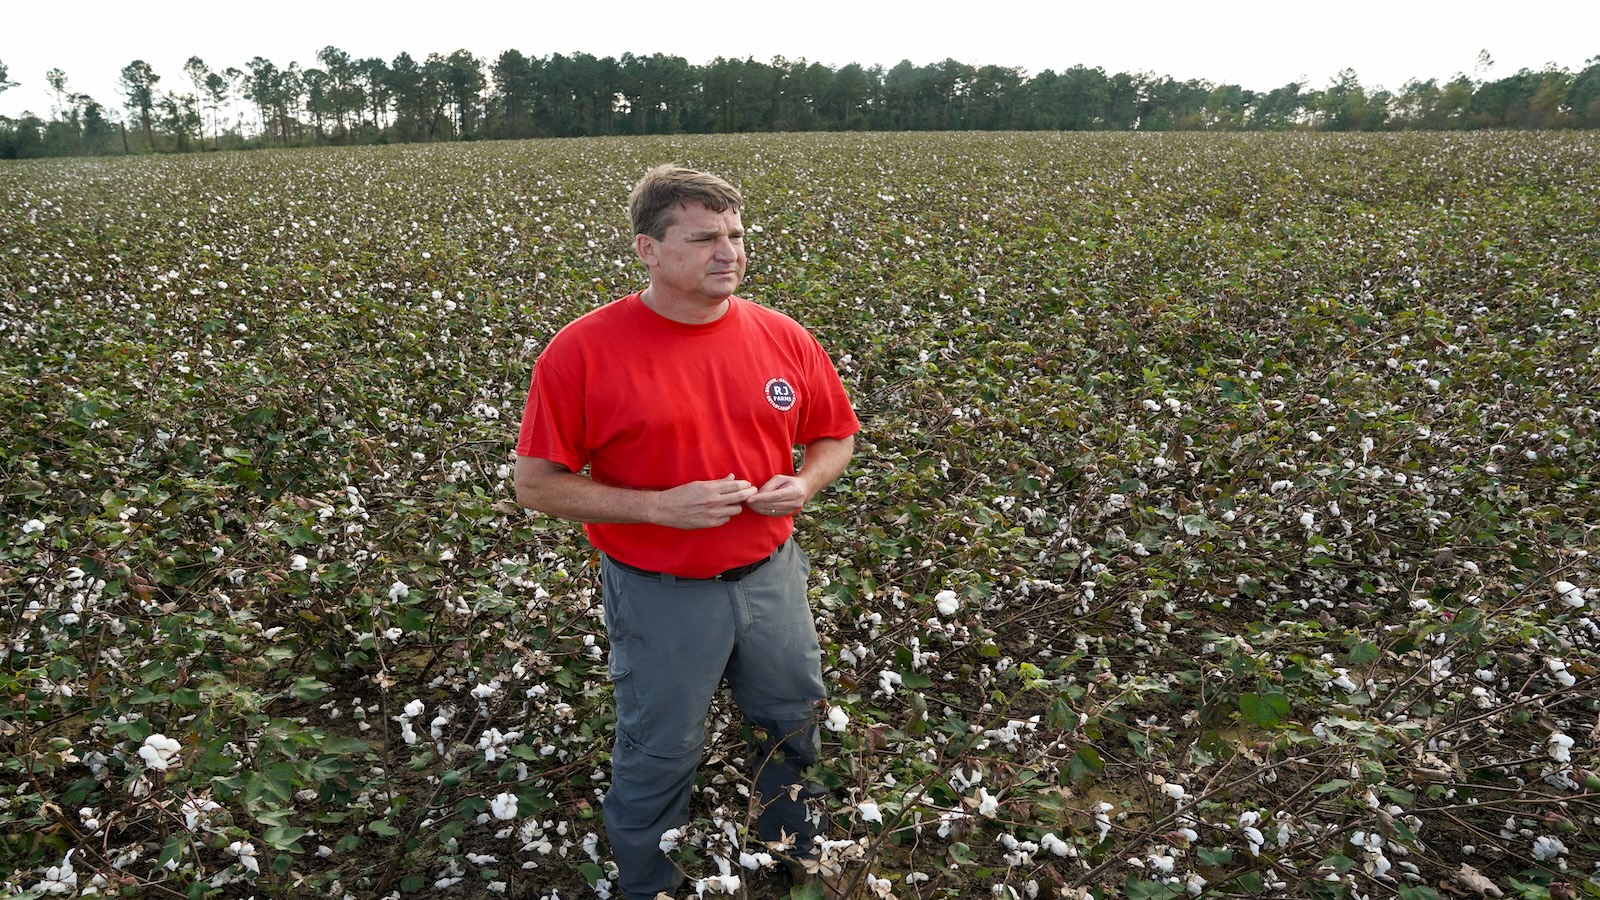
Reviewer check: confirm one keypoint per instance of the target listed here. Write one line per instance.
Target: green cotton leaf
(336, 745)
(1338, 863)
(1218, 856)
(275, 817)
(1400, 796)
(84, 413)
(1264, 709)
(1060, 717)
(325, 768)
(1083, 765)
(171, 850)
(1363, 653)
(1467, 621)
(157, 671)
(812, 891)
(1137, 887)
(592, 872)
(186, 697)
(308, 687)
(383, 828)
(261, 415)
(268, 791)
(285, 837)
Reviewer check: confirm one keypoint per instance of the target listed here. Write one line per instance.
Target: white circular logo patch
(780, 394)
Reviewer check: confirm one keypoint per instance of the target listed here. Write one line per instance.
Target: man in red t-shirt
(685, 403)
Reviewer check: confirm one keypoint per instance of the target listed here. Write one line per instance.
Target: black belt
(734, 574)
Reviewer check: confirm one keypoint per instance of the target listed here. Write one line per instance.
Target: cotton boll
(987, 803)
(246, 853)
(838, 719)
(1102, 820)
(504, 806)
(888, 680)
(1547, 848)
(948, 602)
(869, 812)
(160, 752)
(1570, 594)
(60, 879)
(754, 861)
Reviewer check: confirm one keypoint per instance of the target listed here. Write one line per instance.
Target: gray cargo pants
(673, 641)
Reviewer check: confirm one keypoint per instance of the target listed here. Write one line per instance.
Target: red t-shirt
(649, 403)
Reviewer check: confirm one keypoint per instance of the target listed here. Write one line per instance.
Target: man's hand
(786, 495)
(782, 495)
(701, 504)
(555, 490)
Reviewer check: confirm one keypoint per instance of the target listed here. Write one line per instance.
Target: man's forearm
(554, 491)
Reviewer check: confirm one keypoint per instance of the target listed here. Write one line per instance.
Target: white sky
(1259, 44)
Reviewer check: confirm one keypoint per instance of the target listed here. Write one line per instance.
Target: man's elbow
(532, 482)
(527, 496)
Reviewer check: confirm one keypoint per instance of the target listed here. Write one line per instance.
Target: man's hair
(664, 188)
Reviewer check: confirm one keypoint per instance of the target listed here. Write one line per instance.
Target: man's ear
(645, 246)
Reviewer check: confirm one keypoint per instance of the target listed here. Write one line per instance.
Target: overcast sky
(1254, 43)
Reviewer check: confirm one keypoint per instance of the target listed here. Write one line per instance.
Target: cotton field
(1222, 525)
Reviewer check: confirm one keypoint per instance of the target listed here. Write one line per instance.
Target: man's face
(701, 259)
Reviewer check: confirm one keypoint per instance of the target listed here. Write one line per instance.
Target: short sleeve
(553, 419)
(826, 411)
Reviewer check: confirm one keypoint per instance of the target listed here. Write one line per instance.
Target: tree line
(349, 100)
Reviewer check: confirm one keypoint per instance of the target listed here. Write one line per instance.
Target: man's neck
(688, 311)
